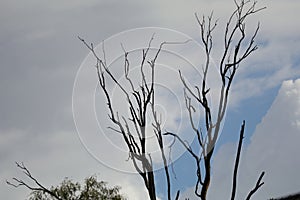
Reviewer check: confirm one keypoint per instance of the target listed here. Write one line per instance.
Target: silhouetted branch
(140, 98)
(237, 159)
(177, 195)
(237, 47)
(38, 187)
(257, 186)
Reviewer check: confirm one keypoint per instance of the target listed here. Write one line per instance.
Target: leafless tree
(140, 101)
(237, 47)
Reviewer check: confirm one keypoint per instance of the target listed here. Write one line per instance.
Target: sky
(54, 120)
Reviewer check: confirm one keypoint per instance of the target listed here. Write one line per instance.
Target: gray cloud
(40, 55)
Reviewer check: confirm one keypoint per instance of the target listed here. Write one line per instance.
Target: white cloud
(274, 148)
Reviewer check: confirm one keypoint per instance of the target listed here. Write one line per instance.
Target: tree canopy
(90, 189)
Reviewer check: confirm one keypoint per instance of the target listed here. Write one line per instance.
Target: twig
(257, 186)
(40, 187)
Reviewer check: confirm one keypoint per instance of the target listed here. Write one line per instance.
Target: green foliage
(90, 190)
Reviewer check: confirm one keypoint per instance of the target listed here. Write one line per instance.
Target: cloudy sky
(42, 61)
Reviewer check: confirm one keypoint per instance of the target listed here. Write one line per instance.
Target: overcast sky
(41, 60)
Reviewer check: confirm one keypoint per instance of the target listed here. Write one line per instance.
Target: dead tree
(237, 47)
(140, 101)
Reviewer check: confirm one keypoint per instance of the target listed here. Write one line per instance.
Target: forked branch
(38, 186)
(238, 45)
(258, 184)
(140, 97)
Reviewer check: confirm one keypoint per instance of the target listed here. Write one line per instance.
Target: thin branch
(237, 159)
(138, 97)
(177, 195)
(40, 187)
(257, 186)
(237, 48)
(183, 143)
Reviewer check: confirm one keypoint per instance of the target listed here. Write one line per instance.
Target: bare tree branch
(257, 186)
(237, 47)
(237, 160)
(38, 187)
(140, 98)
